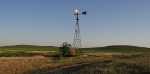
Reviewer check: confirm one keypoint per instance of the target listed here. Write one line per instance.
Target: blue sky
(50, 22)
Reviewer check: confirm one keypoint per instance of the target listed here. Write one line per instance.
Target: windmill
(66, 49)
(77, 38)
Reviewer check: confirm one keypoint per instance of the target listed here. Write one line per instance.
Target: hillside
(32, 50)
(117, 48)
(29, 59)
(113, 48)
(28, 48)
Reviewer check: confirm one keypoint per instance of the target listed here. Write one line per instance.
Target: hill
(113, 48)
(117, 48)
(28, 48)
(32, 50)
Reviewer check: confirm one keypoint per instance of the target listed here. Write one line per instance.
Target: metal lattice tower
(77, 38)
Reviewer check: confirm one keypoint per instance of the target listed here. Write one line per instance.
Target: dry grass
(20, 65)
(28, 65)
(118, 64)
(104, 63)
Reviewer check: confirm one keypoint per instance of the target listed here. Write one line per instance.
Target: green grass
(26, 54)
(28, 48)
(117, 48)
(31, 50)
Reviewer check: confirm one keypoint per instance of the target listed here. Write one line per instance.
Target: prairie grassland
(26, 59)
(84, 64)
(40, 64)
(19, 65)
(118, 64)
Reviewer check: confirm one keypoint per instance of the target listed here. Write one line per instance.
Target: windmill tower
(77, 38)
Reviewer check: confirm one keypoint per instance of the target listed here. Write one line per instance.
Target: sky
(51, 22)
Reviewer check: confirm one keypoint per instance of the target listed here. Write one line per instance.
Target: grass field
(27, 50)
(117, 48)
(30, 50)
(26, 59)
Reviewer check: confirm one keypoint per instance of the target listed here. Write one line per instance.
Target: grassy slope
(28, 50)
(103, 64)
(117, 48)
